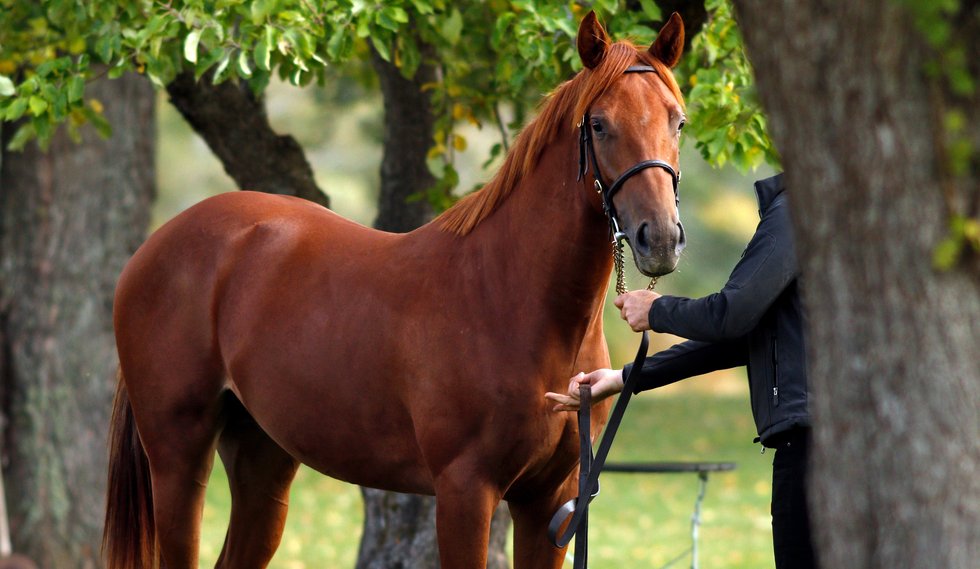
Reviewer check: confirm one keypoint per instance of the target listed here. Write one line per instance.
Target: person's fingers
(564, 402)
(554, 396)
(560, 398)
(620, 301)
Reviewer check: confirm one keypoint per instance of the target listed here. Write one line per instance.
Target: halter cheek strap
(587, 154)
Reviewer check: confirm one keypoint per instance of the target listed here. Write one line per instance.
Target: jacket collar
(767, 190)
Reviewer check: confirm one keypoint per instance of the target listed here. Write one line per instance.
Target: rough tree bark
(893, 341)
(69, 220)
(399, 529)
(234, 124)
(408, 131)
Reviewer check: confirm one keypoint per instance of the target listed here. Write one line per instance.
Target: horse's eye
(597, 127)
(680, 127)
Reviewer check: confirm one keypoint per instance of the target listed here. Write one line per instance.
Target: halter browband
(586, 147)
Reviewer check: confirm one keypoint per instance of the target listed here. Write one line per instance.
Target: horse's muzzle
(657, 247)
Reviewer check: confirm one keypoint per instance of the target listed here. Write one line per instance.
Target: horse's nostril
(681, 238)
(642, 241)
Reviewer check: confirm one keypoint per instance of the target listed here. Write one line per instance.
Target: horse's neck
(552, 246)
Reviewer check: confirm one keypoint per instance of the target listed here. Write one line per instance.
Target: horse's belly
(346, 435)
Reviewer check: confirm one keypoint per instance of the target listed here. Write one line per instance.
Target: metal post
(696, 517)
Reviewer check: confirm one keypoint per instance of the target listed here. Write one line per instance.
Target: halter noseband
(586, 147)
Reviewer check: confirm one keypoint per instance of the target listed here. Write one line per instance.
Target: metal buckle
(618, 234)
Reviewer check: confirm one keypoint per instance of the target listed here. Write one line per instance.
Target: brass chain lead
(618, 263)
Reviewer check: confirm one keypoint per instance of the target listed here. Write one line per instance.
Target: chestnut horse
(279, 333)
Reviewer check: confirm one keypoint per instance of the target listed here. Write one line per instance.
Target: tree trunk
(399, 529)
(694, 14)
(893, 341)
(408, 124)
(69, 220)
(234, 124)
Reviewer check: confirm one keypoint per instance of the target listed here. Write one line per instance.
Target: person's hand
(605, 383)
(634, 307)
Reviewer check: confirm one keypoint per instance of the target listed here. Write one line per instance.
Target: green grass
(639, 520)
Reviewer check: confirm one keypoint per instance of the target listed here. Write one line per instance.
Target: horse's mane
(564, 107)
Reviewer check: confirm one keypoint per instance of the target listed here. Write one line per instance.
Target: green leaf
(222, 66)
(38, 105)
(422, 7)
(76, 88)
(190, 45)
(384, 19)
(382, 46)
(45, 68)
(500, 29)
(6, 86)
(452, 27)
(25, 133)
(243, 68)
(410, 57)
(16, 109)
(364, 25)
(262, 54)
(398, 14)
(261, 9)
(103, 48)
(651, 10)
(210, 59)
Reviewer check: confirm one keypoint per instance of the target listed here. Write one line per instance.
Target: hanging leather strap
(589, 467)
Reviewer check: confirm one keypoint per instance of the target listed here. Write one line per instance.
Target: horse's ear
(592, 41)
(669, 44)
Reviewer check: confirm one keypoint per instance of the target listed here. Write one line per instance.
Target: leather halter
(586, 148)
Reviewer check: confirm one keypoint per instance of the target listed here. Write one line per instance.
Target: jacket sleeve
(766, 268)
(688, 359)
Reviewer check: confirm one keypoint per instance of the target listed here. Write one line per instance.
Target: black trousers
(791, 539)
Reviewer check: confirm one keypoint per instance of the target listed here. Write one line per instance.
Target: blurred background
(640, 520)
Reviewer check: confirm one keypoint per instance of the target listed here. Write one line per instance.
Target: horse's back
(259, 294)
(192, 251)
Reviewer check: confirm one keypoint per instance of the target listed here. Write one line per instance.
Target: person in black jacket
(756, 320)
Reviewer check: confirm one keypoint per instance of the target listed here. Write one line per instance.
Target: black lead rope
(590, 467)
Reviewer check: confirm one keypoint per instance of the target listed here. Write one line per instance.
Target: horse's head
(630, 136)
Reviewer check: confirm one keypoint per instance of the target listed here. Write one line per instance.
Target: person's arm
(678, 362)
(767, 267)
(688, 359)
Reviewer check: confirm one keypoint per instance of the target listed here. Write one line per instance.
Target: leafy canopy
(485, 53)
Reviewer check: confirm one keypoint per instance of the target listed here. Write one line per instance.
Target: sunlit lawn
(639, 520)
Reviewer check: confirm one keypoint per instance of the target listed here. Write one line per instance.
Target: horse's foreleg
(464, 506)
(259, 474)
(532, 548)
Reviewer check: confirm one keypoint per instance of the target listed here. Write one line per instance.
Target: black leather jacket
(756, 320)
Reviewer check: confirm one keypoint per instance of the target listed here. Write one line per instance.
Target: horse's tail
(128, 538)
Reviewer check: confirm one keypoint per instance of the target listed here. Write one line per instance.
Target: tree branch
(233, 122)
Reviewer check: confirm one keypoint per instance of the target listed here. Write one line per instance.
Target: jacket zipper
(775, 372)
